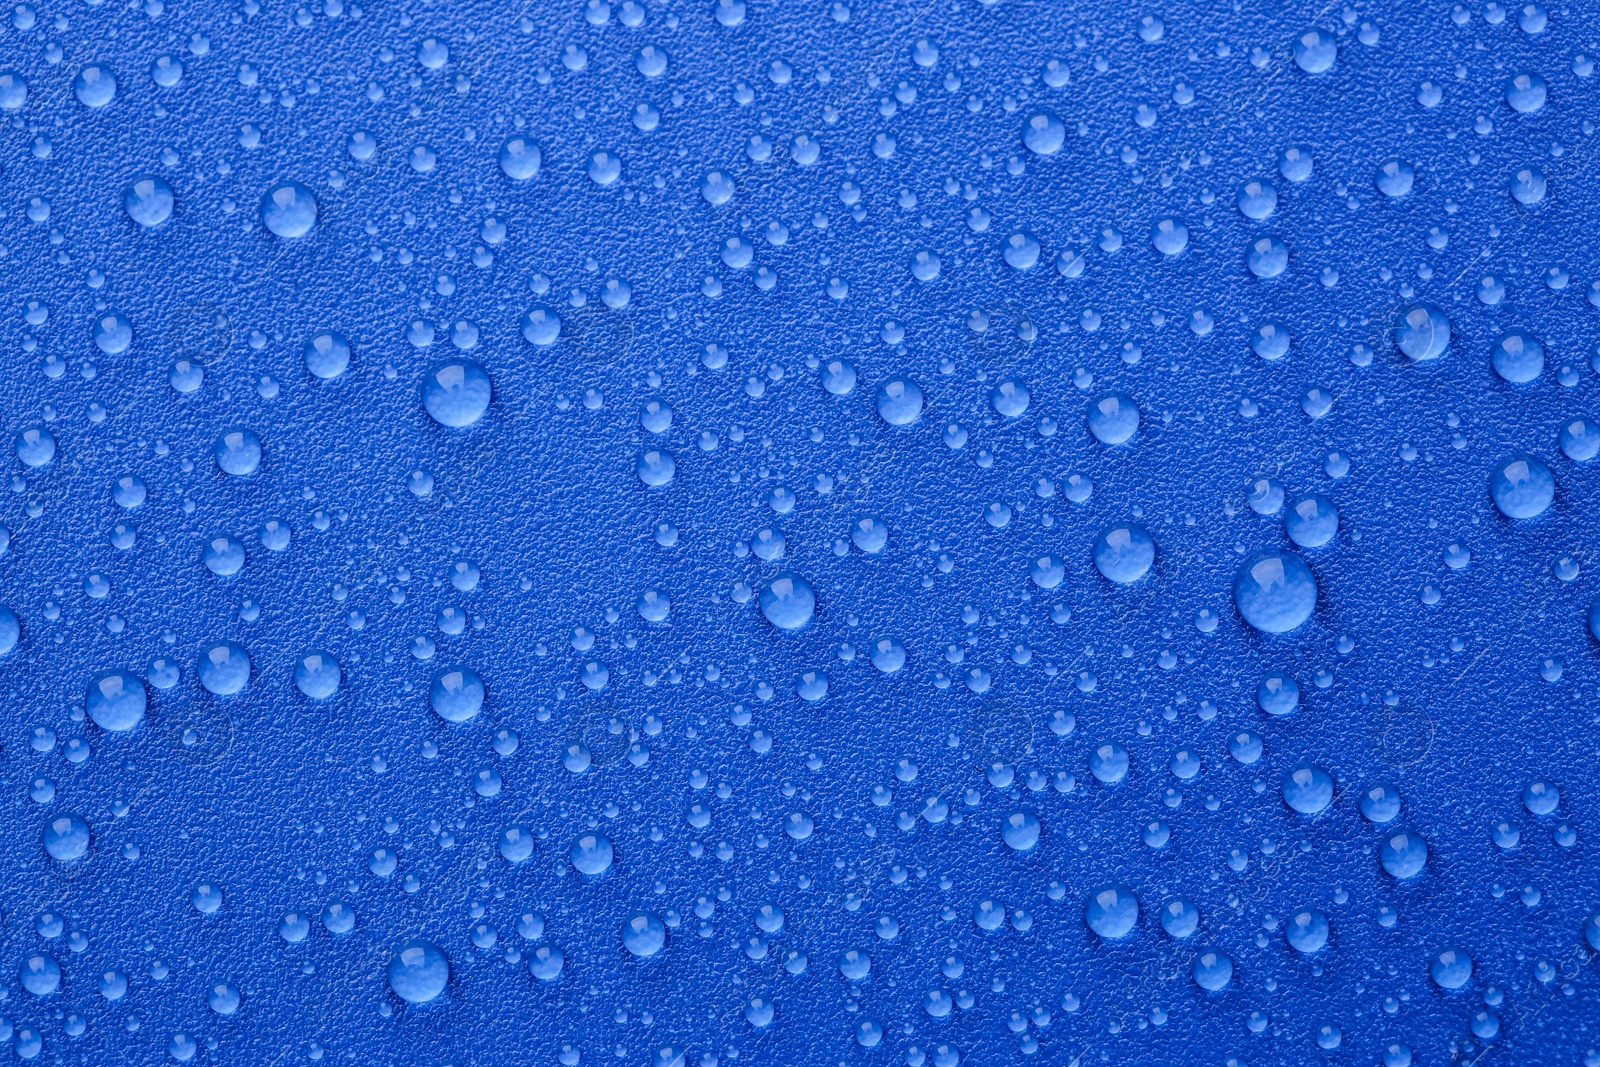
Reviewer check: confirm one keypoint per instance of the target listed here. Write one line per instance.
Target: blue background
(280, 800)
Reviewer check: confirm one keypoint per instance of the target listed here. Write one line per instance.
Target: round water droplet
(1307, 789)
(1169, 236)
(456, 694)
(95, 86)
(113, 333)
(643, 934)
(419, 972)
(899, 401)
(317, 675)
(656, 467)
(1541, 797)
(1044, 133)
(888, 655)
(1266, 257)
(1109, 763)
(36, 446)
(1179, 918)
(223, 556)
(327, 355)
(1518, 357)
(1278, 694)
(1111, 911)
(1528, 186)
(224, 668)
(1422, 332)
(223, 997)
(1395, 178)
(1275, 592)
(1270, 340)
(456, 392)
(1294, 163)
(1113, 419)
(604, 168)
(541, 326)
(1403, 854)
(66, 838)
(13, 90)
(516, 844)
(1307, 931)
(1020, 830)
(10, 630)
(1257, 199)
(838, 377)
(520, 159)
(591, 855)
(1315, 51)
(1311, 521)
(40, 974)
(1380, 804)
(1580, 439)
(1452, 968)
(1124, 552)
(870, 534)
(116, 701)
(1526, 92)
(148, 201)
(289, 209)
(1212, 971)
(1522, 487)
(1020, 251)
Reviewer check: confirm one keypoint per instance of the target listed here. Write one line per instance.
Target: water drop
(224, 668)
(66, 838)
(1522, 487)
(1275, 592)
(1111, 911)
(327, 355)
(1315, 51)
(418, 972)
(1020, 830)
(116, 701)
(1307, 789)
(591, 855)
(317, 675)
(1452, 968)
(148, 201)
(95, 86)
(1257, 199)
(899, 401)
(1526, 92)
(289, 209)
(520, 159)
(113, 333)
(1113, 419)
(1044, 133)
(456, 392)
(456, 695)
(1518, 357)
(1403, 854)
(1395, 178)
(1124, 552)
(1212, 971)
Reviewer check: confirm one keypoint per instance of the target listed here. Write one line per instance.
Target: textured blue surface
(912, 770)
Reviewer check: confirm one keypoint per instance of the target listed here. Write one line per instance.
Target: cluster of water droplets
(700, 803)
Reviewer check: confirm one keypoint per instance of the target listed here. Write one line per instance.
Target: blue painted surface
(730, 763)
